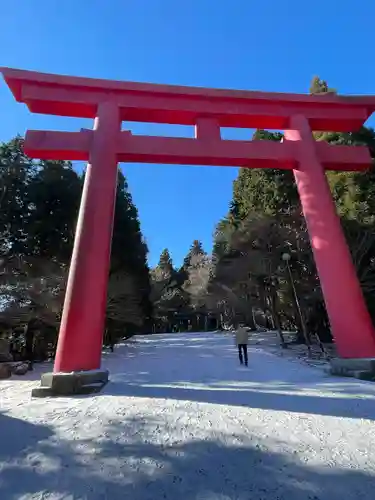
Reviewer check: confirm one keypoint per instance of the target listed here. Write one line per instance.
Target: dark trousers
(242, 353)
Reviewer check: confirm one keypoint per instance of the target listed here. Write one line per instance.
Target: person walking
(242, 339)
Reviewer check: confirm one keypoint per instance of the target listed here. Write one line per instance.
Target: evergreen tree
(162, 277)
(53, 199)
(318, 86)
(195, 249)
(16, 170)
(165, 265)
(222, 237)
(263, 190)
(168, 296)
(129, 263)
(198, 274)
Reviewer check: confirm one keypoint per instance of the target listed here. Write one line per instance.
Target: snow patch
(181, 419)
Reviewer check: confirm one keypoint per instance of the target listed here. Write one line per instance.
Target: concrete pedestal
(362, 368)
(67, 384)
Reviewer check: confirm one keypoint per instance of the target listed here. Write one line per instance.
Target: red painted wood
(82, 325)
(79, 97)
(80, 337)
(350, 321)
(208, 150)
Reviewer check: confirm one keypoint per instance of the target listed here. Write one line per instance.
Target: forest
(243, 278)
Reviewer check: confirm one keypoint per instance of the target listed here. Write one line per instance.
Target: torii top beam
(206, 109)
(79, 97)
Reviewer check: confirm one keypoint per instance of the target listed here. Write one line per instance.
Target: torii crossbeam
(111, 102)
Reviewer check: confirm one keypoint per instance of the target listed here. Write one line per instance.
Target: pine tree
(222, 237)
(319, 86)
(165, 264)
(195, 249)
(168, 296)
(129, 257)
(162, 277)
(263, 190)
(198, 274)
(53, 198)
(16, 170)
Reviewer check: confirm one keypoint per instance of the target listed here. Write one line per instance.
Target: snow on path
(181, 420)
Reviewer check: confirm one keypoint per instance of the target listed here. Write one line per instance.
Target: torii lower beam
(183, 151)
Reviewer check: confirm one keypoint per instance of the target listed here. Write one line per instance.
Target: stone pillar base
(362, 368)
(68, 384)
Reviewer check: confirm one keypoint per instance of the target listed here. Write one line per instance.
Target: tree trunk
(276, 318)
(29, 345)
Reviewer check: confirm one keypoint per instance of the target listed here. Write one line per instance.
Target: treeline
(39, 203)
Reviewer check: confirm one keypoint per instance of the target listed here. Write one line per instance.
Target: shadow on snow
(199, 469)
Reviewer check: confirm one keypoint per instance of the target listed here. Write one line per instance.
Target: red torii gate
(110, 103)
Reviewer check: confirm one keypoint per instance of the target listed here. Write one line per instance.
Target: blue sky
(270, 45)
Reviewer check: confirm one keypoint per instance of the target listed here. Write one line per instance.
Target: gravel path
(181, 420)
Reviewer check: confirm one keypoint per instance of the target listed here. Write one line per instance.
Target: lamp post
(272, 282)
(286, 258)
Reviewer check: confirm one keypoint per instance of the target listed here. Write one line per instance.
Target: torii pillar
(78, 357)
(333, 260)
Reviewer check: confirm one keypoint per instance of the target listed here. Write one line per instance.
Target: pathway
(181, 419)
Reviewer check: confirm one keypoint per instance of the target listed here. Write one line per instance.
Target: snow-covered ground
(181, 420)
